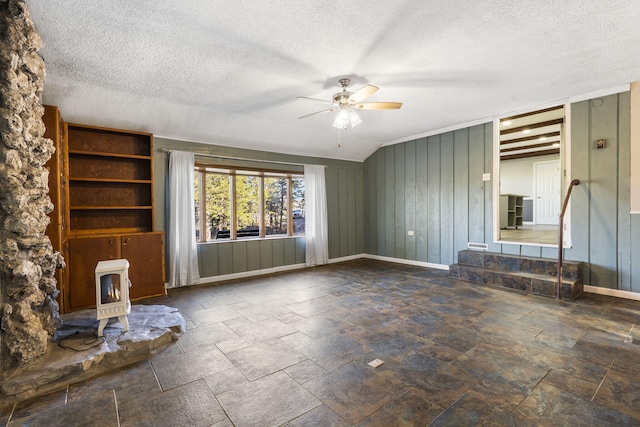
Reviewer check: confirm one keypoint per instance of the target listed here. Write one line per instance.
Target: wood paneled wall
(345, 205)
(216, 259)
(433, 186)
(601, 219)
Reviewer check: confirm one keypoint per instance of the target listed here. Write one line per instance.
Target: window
(234, 204)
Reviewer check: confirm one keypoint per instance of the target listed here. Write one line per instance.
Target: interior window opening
(530, 162)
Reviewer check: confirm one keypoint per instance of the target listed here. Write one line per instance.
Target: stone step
(538, 284)
(544, 266)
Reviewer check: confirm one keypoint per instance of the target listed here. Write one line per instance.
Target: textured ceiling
(228, 72)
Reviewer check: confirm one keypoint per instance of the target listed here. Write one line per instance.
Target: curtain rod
(165, 150)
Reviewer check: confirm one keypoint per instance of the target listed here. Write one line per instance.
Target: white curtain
(316, 229)
(183, 256)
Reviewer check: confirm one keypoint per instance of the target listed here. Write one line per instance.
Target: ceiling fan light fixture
(354, 119)
(342, 119)
(345, 102)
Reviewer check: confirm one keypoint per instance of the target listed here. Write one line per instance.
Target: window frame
(234, 171)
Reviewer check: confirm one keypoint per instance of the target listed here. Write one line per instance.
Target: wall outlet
(486, 177)
(410, 233)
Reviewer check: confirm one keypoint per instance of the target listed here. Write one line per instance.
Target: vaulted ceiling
(229, 72)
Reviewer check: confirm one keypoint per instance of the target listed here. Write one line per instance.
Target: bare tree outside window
(257, 203)
(297, 204)
(218, 205)
(247, 206)
(276, 203)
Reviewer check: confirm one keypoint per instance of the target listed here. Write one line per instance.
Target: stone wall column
(28, 310)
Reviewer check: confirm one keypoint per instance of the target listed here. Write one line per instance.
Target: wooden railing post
(560, 236)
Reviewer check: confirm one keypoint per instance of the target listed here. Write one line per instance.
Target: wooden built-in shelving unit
(105, 209)
(110, 185)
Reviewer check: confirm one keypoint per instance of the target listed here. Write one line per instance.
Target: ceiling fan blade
(314, 99)
(318, 112)
(379, 105)
(362, 93)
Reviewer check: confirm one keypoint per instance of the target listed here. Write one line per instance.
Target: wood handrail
(560, 237)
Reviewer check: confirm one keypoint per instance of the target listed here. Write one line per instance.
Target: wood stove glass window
(110, 288)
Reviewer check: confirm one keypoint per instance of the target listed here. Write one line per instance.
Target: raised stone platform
(533, 275)
(77, 354)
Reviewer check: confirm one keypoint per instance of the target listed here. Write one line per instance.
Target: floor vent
(482, 246)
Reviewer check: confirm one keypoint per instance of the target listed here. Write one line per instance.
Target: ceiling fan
(346, 102)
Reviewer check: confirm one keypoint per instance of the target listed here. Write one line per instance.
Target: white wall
(516, 176)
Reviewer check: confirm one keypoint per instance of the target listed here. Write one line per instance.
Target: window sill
(250, 239)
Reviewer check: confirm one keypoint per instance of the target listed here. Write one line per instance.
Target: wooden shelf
(109, 179)
(103, 207)
(112, 180)
(116, 168)
(97, 141)
(101, 232)
(107, 154)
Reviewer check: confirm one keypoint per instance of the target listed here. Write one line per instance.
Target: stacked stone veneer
(28, 310)
(535, 275)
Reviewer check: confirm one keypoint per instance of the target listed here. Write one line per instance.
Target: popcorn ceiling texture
(29, 312)
(228, 72)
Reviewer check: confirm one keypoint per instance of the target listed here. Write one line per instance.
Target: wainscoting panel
(239, 256)
(216, 259)
(253, 255)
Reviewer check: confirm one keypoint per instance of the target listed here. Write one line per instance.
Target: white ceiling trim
(440, 131)
(600, 93)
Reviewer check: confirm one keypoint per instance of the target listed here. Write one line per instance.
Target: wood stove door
(145, 253)
(85, 252)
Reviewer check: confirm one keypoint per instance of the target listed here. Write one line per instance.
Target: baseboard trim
(408, 262)
(346, 258)
(611, 292)
(252, 273)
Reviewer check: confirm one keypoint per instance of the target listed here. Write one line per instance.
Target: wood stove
(112, 292)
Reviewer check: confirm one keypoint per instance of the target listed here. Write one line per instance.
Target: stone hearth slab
(76, 353)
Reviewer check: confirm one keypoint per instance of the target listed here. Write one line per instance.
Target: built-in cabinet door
(84, 254)
(145, 253)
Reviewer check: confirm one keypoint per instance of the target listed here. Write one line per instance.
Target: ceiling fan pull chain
(339, 140)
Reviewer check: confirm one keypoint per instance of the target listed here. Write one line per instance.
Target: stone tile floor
(292, 349)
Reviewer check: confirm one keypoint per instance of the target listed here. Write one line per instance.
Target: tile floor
(544, 234)
(292, 349)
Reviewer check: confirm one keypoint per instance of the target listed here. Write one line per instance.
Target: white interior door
(547, 189)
